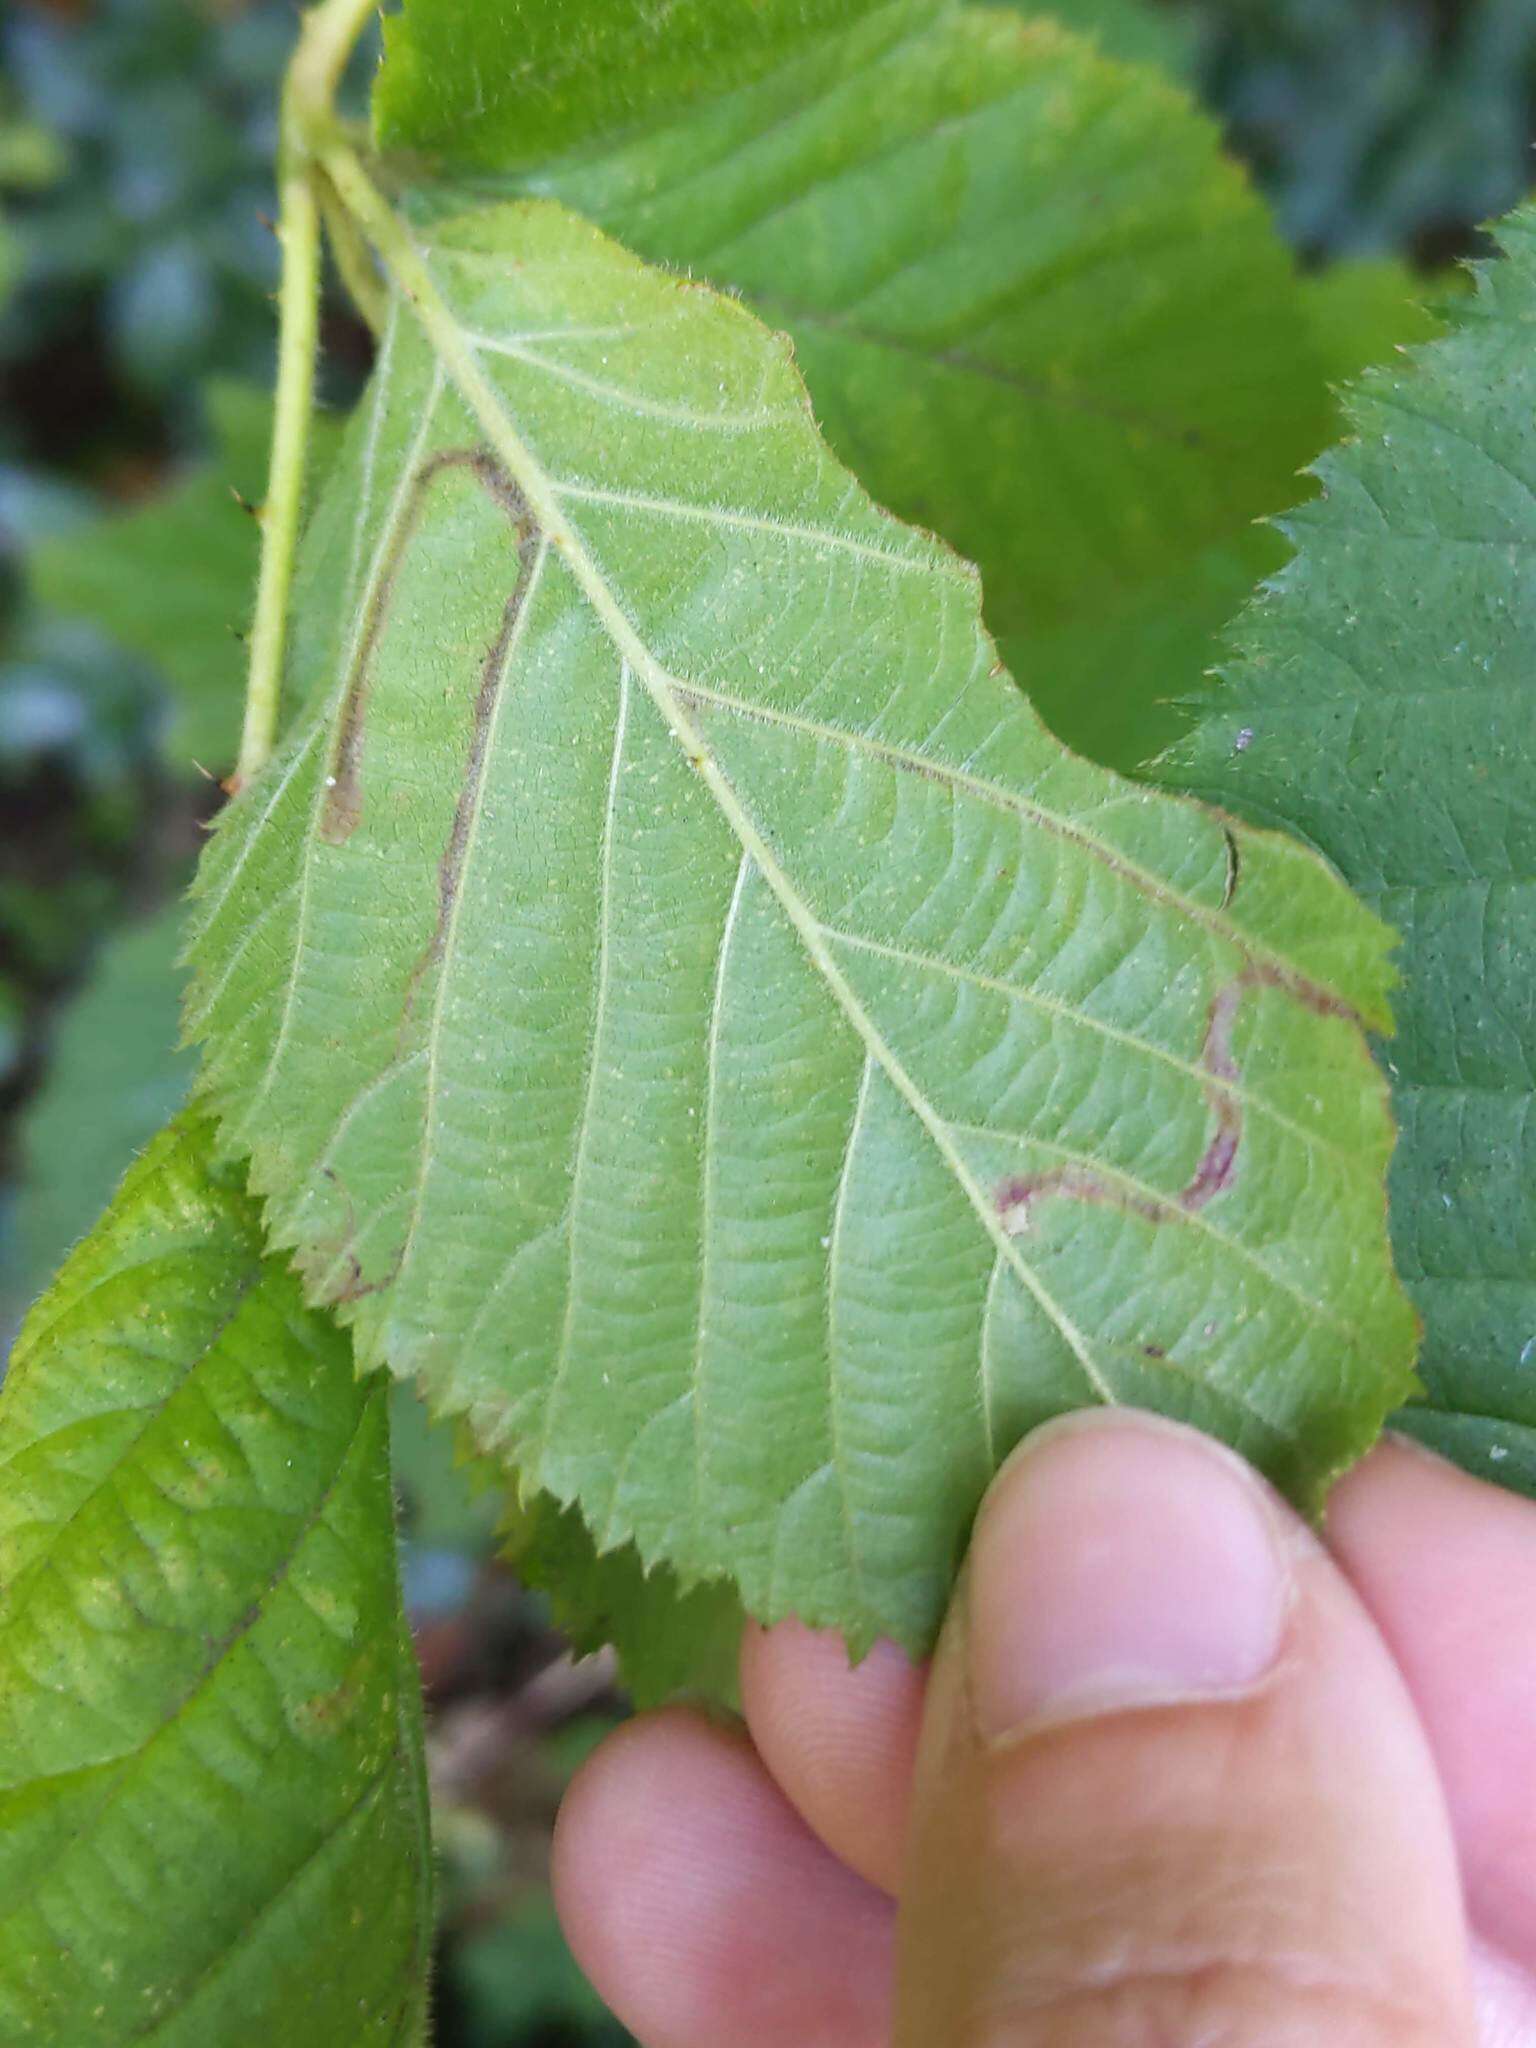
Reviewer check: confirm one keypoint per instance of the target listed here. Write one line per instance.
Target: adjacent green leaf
(682, 1005)
(1136, 31)
(212, 1807)
(1363, 312)
(1037, 309)
(669, 1641)
(172, 580)
(1380, 703)
(115, 1077)
(521, 80)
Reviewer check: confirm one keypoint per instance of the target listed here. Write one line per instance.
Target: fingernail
(1121, 1561)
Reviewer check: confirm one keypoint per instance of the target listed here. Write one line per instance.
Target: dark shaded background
(135, 144)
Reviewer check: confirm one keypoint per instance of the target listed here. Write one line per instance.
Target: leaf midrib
(413, 278)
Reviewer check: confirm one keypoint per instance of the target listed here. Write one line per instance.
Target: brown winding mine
(1074, 1184)
(344, 796)
(1216, 1169)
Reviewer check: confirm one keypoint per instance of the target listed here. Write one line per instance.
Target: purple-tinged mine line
(1217, 1167)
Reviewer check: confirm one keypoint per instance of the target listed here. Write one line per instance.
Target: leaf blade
(1037, 310)
(812, 886)
(1376, 703)
(213, 1790)
(522, 80)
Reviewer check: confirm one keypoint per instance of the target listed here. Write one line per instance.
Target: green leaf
(116, 1075)
(517, 1981)
(1363, 312)
(522, 80)
(1122, 664)
(1038, 311)
(1379, 702)
(212, 1805)
(669, 1640)
(1136, 31)
(683, 1006)
(172, 581)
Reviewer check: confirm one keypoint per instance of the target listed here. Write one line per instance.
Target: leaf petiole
(326, 40)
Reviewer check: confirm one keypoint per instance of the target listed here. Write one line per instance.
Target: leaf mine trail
(344, 798)
(1217, 1165)
(668, 1070)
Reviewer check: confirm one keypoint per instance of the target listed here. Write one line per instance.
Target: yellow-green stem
(326, 40)
(354, 260)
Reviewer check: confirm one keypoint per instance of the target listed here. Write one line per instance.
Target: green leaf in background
(116, 1076)
(212, 1799)
(682, 1006)
(1037, 309)
(172, 580)
(518, 1975)
(1136, 31)
(523, 80)
(1118, 668)
(1380, 703)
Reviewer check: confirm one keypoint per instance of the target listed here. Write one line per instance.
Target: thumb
(1170, 1788)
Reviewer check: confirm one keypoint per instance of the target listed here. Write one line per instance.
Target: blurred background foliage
(136, 337)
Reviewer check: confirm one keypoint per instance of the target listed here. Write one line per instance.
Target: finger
(1170, 1785)
(1447, 1566)
(704, 1910)
(840, 1740)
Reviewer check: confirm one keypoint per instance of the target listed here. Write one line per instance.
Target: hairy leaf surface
(682, 1005)
(1037, 309)
(1381, 703)
(522, 80)
(212, 1807)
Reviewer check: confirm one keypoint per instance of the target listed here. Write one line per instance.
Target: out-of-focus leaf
(1152, 643)
(30, 156)
(173, 580)
(449, 1503)
(165, 114)
(518, 81)
(1137, 31)
(115, 1077)
(518, 1975)
(1378, 124)
(212, 1799)
(1363, 311)
(10, 1029)
(1380, 703)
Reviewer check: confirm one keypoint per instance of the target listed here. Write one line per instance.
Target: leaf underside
(668, 1642)
(1037, 309)
(212, 1786)
(1380, 703)
(680, 1004)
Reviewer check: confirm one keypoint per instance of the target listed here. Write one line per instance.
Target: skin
(1019, 1847)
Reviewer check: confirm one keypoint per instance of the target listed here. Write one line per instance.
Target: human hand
(1179, 1776)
